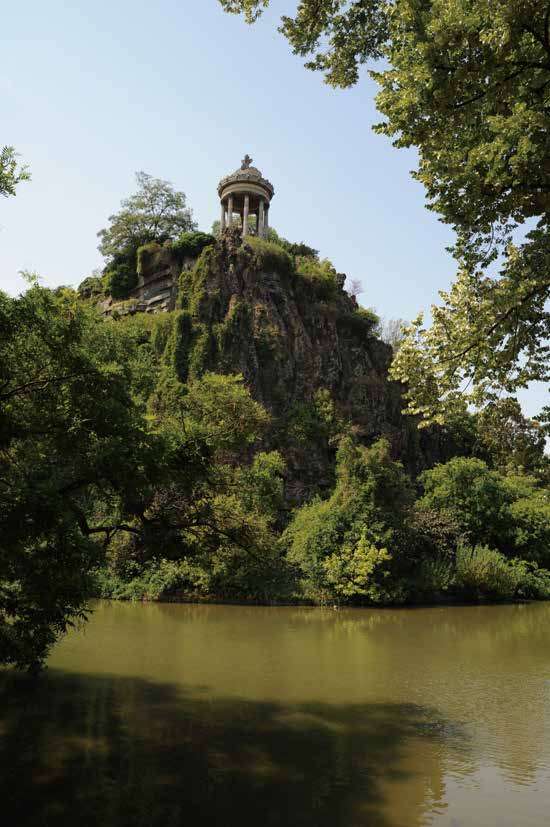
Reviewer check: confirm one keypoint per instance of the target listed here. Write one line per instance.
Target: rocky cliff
(307, 351)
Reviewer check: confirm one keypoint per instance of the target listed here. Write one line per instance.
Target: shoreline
(211, 600)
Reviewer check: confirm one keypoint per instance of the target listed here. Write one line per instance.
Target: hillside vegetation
(247, 446)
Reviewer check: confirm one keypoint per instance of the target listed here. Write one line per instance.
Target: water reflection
(166, 714)
(121, 751)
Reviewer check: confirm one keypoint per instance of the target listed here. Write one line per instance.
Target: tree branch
(41, 384)
(500, 319)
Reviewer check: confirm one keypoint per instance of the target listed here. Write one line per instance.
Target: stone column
(230, 211)
(245, 214)
(222, 220)
(266, 218)
(261, 218)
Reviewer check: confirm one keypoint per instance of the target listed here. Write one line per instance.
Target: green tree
(92, 286)
(87, 472)
(509, 513)
(11, 172)
(337, 35)
(67, 427)
(531, 521)
(156, 212)
(474, 495)
(347, 547)
(467, 82)
(221, 409)
(216, 527)
(513, 442)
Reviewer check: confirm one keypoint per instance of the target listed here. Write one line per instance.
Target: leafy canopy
(510, 513)
(512, 442)
(343, 546)
(156, 212)
(67, 425)
(466, 82)
(89, 471)
(337, 35)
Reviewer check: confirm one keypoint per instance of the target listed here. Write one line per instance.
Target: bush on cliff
(120, 273)
(191, 244)
(292, 248)
(268, 256)
(92, 287)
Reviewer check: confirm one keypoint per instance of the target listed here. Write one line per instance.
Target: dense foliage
(64, 418)
(89, 474)
(156, 213)
(130, 469)
(466, 82)
(120, 274)
(344, 546)
(191, 244)
(471, 533)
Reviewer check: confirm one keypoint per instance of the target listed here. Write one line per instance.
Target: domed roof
(245, 173)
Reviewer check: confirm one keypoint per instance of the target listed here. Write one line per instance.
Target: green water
(209, 715)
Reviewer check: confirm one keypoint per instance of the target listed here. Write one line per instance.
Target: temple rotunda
(245, 192)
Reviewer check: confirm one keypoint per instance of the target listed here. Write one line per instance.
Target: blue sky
(92, 92)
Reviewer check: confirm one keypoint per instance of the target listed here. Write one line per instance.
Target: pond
(162, 714)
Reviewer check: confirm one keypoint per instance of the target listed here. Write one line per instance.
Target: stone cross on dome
(246, 161)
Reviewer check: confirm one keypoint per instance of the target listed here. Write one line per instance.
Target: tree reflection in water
(115, 751)
(227, 715)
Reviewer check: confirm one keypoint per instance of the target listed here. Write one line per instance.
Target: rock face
(299, 341)
(157, 286)
(305, 348)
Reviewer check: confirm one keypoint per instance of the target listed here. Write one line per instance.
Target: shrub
(178, 344)
(433, 577)
(268, 256)
(294, 249)
(120, 272)
(322, 275)
(363, 321)
(163, 324)
(476, 496)
(509, 513)
(531, 527)
(434, 534)
(91, 287)
(313, 420)
(151, 581)
(121, 279)
(202, 354)
(191, 245)
(144, 254)
(483, 571)
(360, 571)
(224, 412)
(349, 545)
(532, 582)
